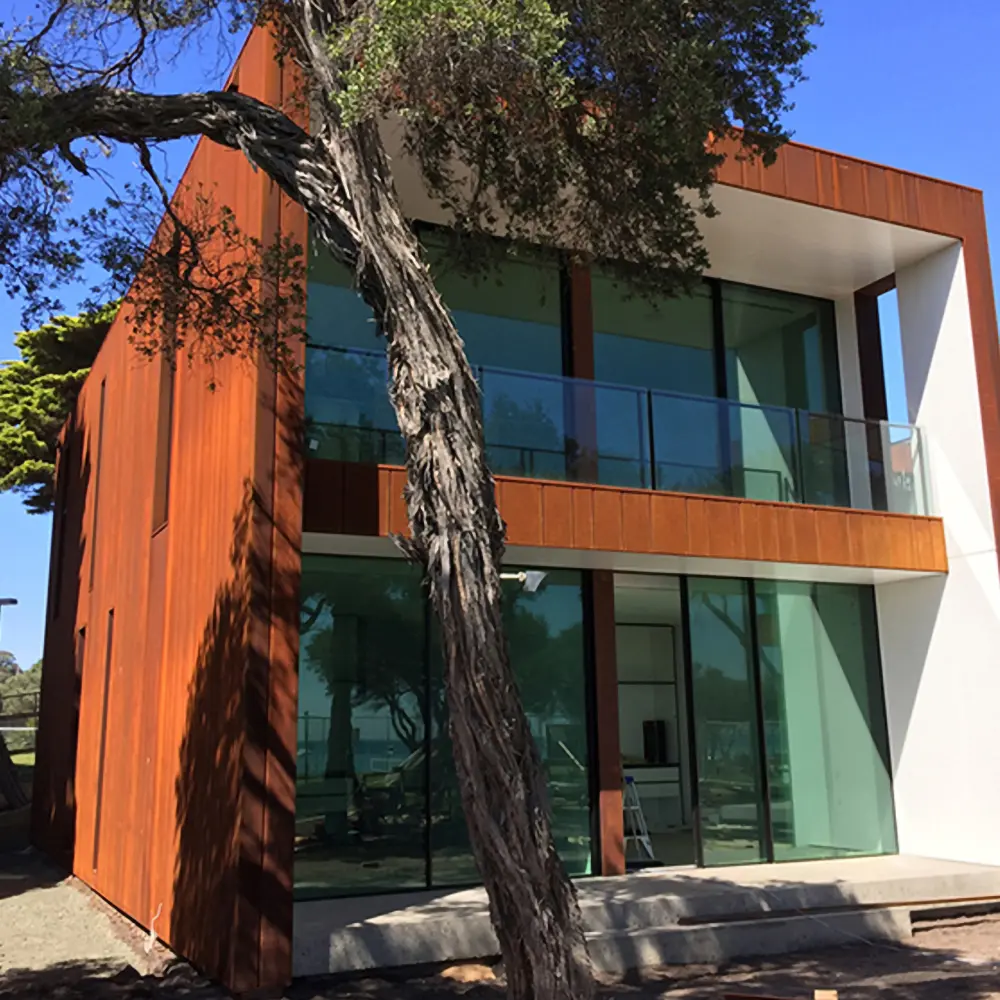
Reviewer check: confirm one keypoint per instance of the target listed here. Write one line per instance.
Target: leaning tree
(592, 125)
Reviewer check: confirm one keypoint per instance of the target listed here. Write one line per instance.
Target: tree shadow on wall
(232, 903)
(208, 781)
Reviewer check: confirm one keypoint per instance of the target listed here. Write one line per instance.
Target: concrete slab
(633, 918)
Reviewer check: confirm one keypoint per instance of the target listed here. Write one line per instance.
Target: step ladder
(634, 822)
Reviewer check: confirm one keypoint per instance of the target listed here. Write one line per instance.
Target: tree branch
(270, 140)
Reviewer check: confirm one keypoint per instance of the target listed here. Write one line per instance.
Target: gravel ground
(59, 942)
(48, 921)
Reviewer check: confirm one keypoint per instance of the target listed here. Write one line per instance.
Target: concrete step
(620, 951)
(654, 917)
(661, 901)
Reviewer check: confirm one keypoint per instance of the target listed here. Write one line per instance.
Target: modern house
(732, 584)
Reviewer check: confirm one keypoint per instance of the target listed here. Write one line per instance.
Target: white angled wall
(853, 404)
(940, 636)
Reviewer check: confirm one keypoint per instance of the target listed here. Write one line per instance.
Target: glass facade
(667, 344)
(727, 739)
(781, 360)
(827, 757)
(731, 391)
(377, 806)
(510, 321)
(763, 698)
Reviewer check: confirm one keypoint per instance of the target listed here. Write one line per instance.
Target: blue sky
(911, 83)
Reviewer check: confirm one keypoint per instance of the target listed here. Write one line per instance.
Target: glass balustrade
(549, 427)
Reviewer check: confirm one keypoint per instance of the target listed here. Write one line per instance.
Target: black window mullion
(692, 736)
(590, 695)
(758, 694)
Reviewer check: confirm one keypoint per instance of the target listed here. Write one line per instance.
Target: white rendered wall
(852, 402)
(940, 636)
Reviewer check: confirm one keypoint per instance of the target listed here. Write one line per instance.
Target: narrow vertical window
(62, 507)
(97, 483)
(80, 654)
(164, 442)
(99, 796)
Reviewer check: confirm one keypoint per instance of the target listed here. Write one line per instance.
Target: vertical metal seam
(103, 746)
(758, 694)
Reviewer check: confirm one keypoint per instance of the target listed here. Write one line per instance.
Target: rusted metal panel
(617, 519)
(196, 784)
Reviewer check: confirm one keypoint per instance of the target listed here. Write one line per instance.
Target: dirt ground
(60, 942)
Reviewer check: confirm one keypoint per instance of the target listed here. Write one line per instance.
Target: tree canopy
(38, 392)
(596, 123)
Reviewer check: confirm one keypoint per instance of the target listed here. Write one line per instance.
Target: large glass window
(664, 344)
(377, 805)
(508, 318)
(545, 636)
(828, 767)
(348, 414)
(730, 788)
(781, 356)
(361, 792)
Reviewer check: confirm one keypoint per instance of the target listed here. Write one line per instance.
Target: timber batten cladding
(198, 797)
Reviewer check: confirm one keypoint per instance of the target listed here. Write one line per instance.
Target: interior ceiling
(777, 243)
(647, 599)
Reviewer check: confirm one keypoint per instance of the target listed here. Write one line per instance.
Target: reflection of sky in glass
(501, 342)
(654, 364)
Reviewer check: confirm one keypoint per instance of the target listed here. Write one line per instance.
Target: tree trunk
(458, 536)
(10, 783)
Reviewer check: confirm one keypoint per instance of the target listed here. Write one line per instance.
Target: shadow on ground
(859, 972)
(24, 870)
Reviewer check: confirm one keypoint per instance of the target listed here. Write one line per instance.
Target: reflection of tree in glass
(349, 418)
(521, 436)
(548, 669)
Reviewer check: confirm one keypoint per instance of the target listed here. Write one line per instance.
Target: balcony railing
(549, 427)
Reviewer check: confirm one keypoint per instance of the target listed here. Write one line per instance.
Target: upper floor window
(666, 344)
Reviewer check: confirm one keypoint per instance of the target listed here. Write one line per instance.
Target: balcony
(576, 430)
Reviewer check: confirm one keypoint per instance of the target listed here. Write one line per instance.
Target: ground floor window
(377, 802)
(824, 724)
(750, 714)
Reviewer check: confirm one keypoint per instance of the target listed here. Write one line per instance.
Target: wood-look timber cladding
(353, 499)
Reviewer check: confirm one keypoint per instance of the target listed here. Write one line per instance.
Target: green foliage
(8, 666)
(587, 123)
(597, 125)
(19, 693)
(37, 393)
(390, 42)
(18, 684)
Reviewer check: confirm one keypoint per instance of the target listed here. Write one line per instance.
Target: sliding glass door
(729, 783)
(828, 769)
(791, 751)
